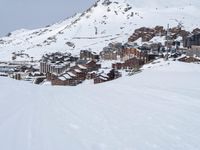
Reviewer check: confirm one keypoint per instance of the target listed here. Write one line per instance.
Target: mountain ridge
(104, 22)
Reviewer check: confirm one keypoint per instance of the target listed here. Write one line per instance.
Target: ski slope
(99, 25)
(157, 109)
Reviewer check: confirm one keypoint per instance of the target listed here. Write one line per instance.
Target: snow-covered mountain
(158, 109)
(106, 21)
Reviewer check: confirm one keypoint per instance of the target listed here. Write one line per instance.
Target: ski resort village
(114, 60)
(121, 75)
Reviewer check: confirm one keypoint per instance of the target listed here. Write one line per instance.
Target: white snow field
(158, 109)
(99, 25)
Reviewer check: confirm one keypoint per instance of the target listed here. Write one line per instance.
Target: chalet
(92, 66)
(104, 77)
(129, 53)
(80, 75)
(39, 79)
(91, 75)
(82, 68)
(88, 55)
(50, 76)
(132, 63)
(100, 79)
(112, 51)
(108, 55)
(139, 52)
(79, 72)
(72, 75)
(114, 74)
(64, 80)
(118, 66)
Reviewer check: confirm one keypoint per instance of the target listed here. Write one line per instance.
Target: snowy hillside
(106, 21)
(157, 109)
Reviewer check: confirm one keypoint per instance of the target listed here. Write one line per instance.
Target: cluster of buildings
(118, 51)
(67, 70)
(176, 42)
(20, 70)
(146, 34)
(142, 39)
(63, 69)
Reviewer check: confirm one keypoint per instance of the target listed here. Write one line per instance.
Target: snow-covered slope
(158, 109)
(105, 22)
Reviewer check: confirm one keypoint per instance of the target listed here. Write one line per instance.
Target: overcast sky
(17, 14)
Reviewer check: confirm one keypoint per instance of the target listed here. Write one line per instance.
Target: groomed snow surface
(158, 109)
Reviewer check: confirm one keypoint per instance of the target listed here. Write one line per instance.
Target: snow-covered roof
(82, 67)
(77, 70)
(104, 75)
(103, 78)
(71, 74)
(58, 66)
(62, 78)
(67, 76)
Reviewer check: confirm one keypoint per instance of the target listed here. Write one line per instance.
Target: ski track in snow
(156, 109)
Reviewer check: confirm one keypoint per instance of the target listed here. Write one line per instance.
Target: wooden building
(92, 66)
(108, 55)
(91, 75)
(132, 63)
(129, 53)
(88, 55)
(80, 75)
(64, 80)
(104, 77)
(100, 79)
